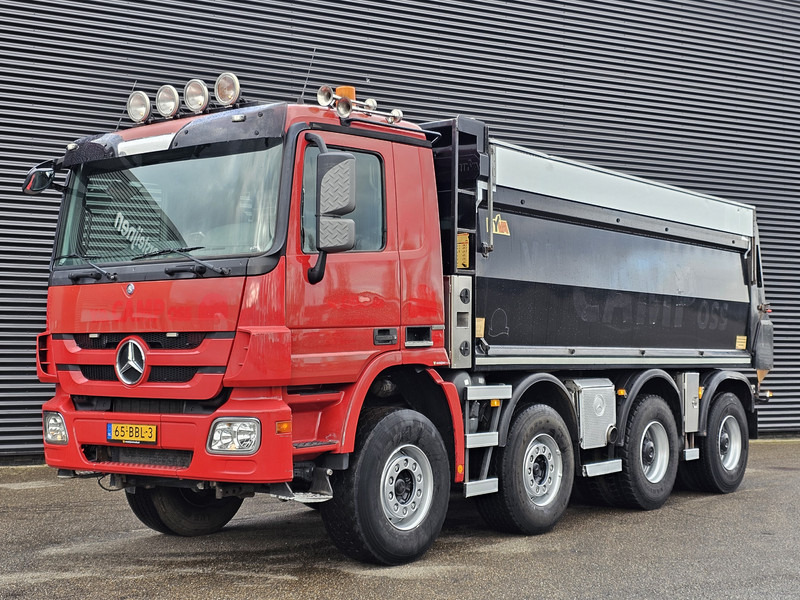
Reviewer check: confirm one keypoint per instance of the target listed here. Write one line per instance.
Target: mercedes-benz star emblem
(130, 362)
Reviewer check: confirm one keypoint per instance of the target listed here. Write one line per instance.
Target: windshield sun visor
(251, 122)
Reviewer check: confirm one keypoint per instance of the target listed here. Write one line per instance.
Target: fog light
(138, 107)
(195, 95)
(55, 430)
(234, 436)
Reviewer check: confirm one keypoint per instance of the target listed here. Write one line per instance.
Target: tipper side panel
(572, 283)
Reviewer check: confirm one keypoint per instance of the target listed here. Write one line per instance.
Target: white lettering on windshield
(133, 234)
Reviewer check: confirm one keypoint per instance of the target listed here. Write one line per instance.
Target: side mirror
(38, 180)
(336, 196)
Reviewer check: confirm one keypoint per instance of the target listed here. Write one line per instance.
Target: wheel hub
(406, 487)
(731, 444)
(648, 452)
(542, 469)
(655, 451)
(724, 443)
(403, 486)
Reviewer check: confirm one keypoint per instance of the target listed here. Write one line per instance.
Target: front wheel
(182, 511)
(389, 506)
(535, 471)
(649, 455)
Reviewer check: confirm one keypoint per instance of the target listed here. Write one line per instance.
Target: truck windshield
(214, 200)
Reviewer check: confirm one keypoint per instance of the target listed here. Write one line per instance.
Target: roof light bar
(138, 107)
(343, 100)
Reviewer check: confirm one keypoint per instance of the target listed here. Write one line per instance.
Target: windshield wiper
(185, 252)
(96, 274)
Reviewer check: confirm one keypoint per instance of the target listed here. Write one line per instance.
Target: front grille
(172, 374)
(136, 455)
(157, 374)
(156, 341)
(99, 372)
(150, 406)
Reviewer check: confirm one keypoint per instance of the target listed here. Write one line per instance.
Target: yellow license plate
(131, 433)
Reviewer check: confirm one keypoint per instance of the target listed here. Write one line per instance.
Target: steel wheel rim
(406, 487)
(654, 451)
(729, 442)
(542, 469)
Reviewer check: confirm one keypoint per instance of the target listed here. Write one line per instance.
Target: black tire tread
(186, 520)
(497, 509)
(141, 503)
(622, 486)
(341, 515)
(707, 480)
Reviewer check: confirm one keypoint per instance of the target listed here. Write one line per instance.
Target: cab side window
(370, 212)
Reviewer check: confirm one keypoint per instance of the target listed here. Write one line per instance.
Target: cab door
(353, 314)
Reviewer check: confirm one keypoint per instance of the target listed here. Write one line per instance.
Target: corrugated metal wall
(702, 94)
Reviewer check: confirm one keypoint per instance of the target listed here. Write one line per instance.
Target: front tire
(535, 470)
(182, 511)
(389, 506)
(649, 455)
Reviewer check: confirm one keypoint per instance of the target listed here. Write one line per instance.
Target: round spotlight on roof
(226, 89)
(195, 96)
(325, 95)
(138, 107)
(167, 101)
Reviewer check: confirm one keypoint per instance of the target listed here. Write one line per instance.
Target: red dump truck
(329, 304)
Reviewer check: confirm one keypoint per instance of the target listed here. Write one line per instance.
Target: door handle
(384, 336)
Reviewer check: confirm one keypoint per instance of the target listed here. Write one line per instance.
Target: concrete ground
(71, 539)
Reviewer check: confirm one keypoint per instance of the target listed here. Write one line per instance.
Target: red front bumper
(179, 435)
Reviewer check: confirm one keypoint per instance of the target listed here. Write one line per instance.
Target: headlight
(167, 101)
(138, 107)
(234, 436)
(55, 430)
(195, 95)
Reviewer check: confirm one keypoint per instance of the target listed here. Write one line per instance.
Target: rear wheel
(182, 511)
(724, 451)
(535, 471)
(649, 456)
(389, 506)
